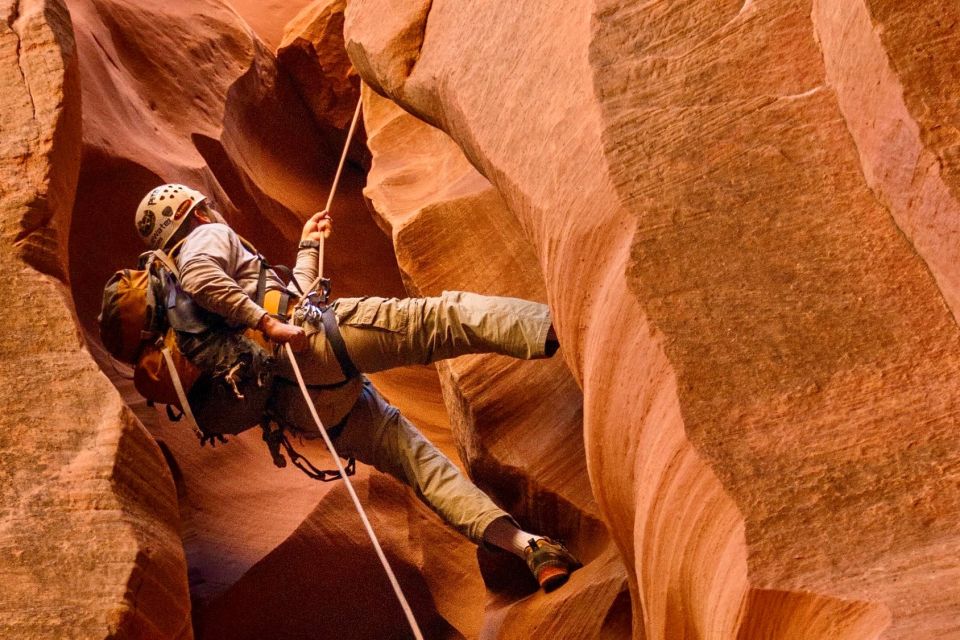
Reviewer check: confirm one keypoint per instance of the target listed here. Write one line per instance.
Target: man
(360, 335)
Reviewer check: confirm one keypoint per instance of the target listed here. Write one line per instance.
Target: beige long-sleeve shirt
(220, 274)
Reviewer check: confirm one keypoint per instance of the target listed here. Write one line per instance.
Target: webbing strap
(181, 394)
(261, 282)
(407, 611)
(332, 331)
(168, 262)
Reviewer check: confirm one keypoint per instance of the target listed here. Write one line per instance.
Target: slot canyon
(744, 216)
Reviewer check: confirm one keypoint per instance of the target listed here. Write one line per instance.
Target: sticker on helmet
(167, 212)
(183, 208)
(155, 238)
(145, 224)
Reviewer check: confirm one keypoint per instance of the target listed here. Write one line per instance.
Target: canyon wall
(742, 212)
(89, 539)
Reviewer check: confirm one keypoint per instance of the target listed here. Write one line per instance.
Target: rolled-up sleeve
(305, 271)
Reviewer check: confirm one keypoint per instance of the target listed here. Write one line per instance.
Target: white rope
(333, 190)
(343, 156)
(407, 611)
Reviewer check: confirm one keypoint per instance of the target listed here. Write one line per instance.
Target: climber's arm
(208, 259)
(318, 227)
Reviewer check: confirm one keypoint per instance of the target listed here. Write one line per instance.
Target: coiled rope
(407, 611)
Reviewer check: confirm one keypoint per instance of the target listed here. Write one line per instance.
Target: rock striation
(89, 539)
(187, 92)
(742, 214)
(749, 261)
(517, 424)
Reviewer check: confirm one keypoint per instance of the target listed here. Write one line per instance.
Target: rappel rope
(333, 191)
(407, 611)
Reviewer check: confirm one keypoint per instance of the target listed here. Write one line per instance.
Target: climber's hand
(282, 332)
(318, 227)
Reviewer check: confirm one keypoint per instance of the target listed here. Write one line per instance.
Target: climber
(355, 336)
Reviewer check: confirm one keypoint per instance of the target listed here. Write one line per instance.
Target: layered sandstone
(189, 104)
(742, 215)
(89, 542)
(517, 424)
(748, 257)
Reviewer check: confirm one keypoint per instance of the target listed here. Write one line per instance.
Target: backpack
(134, 327)
(188, 358)
(226, 374)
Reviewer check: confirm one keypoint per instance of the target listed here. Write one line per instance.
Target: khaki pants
(382, 333)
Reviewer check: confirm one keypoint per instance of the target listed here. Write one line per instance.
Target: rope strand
(333, 190)
(407, 611)
(343, 156)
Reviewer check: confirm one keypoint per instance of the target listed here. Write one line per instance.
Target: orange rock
(769, 370)
(312, 52)
(185, 92)
(88, 514)
(517, 424)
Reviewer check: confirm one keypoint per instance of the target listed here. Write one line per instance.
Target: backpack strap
(167, 262)
(181, 394)
(166, 258)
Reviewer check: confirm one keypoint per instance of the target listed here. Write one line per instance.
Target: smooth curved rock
(312, 53)
(200, 120)
(517, 424)
(89, 546)
(769, 369)
(268, 18)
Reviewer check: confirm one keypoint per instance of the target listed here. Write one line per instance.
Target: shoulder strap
(166, 259)
(181, 394)
(248, 245)
(168, 262)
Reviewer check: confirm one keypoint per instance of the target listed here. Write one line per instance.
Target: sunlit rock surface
(742, 214)
(518, 425)
(89, 540)
(748, 257)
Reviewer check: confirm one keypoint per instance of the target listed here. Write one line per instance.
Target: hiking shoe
(550, 562)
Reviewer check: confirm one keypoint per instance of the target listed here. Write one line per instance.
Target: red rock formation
(769, 369)
(89, 545)
(741, 214)
(268, 18)
(517, 424)
(312, 53)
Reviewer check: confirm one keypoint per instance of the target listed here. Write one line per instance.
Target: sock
(502, 533)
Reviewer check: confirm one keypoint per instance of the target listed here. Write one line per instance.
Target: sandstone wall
(188, 92)
(742, 215)
(518, 425)
(89, 544)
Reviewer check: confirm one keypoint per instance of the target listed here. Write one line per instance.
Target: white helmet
(163, 210)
